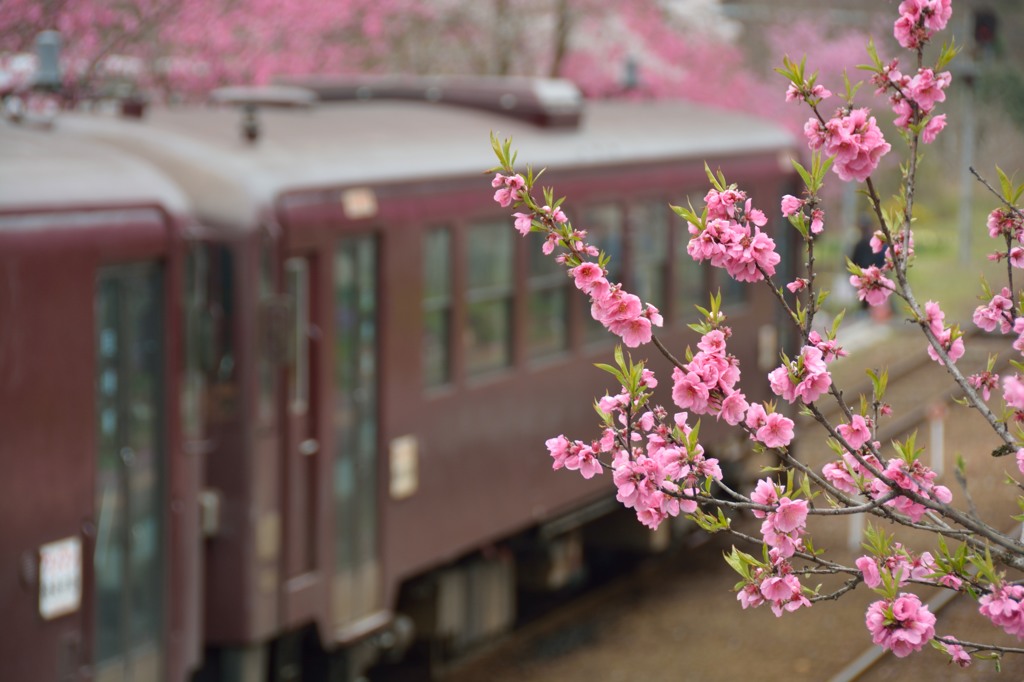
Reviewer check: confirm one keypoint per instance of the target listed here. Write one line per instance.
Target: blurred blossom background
(719, 52)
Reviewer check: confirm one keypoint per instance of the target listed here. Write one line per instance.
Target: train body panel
(371, 359)
(98, 529)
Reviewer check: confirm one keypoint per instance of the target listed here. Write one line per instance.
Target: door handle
(308, 447)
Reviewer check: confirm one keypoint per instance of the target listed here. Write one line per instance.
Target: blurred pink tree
(175, 49)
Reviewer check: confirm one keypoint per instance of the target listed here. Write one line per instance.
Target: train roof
(366, 143)
(48, 169)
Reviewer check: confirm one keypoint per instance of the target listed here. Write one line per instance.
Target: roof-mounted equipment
(251, 98)
(546, 102)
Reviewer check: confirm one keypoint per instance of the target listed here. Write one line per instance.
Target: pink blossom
(524, 221)
(869, 570)
(817, 221)
(766, 493)
(995, 313)
(734, 408)
(932, 128)
(919, 20)
(856, 143)
(1002, 606)
(1013, 391)
(957, 654)
(806, 379)
(815, 133)
(756, 417)
(790, 205)
(914, 477)
(689, 391)
(1003, 222)
(856, 433)
(872, 286)
(509, 188)
(927, 88)
(559, 449)
(713, 343)
(750, 597)
(903, 625)
(790, 515)
(776, 432)
(844, 474)
(986, 382)
(635, 331)
(952, 345)
(555, 214)
(585, 275)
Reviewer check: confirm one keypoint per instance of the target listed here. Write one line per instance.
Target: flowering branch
(657, 463)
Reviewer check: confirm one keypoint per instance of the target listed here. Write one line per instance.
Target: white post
(937, 436)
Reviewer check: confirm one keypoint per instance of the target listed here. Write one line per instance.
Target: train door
(355, 591)
(128, 557)
(302, 446)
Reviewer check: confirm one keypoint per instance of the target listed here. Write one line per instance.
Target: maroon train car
(98, 546)
(383, 356)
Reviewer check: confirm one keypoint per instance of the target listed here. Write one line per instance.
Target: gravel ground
(679, 620)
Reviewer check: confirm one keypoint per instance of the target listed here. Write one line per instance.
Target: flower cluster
(508, 188)
(998, 312)
(852, 138)
(731, 238)
(783, 527)
(914, 477)
(775, 585)
(1003, 607)
(658, 478)
(574, 456)
(872, 286)
(622, 313)
(913, 98)
(950, 338)
(1006, 224)
(707, 383)
(920, 20)
(848, 475)
(957, 654)
(902, 625)
(853, 476)
(792, 205)
(806, 378)
(770, 428)
(902, 566)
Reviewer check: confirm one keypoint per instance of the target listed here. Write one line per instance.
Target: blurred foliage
(1002, 85)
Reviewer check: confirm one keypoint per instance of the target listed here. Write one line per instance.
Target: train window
(547, 296)
(688, 278)
(488, 334)
(603, 224)
(297, 284)
(130, 474)
(354, 587)
(272, 323)
(196, 333)
(210, 394)
(437, 307)
(649, 252)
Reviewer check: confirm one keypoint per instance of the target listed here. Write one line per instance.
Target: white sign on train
(60, 577)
